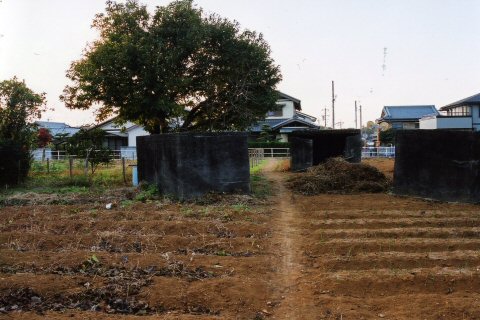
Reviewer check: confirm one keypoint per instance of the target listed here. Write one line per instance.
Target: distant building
(462, 115)
(287, 119)
(57, 128)
(405, 117)
(118, 136)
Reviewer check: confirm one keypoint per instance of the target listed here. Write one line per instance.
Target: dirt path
(296, 298)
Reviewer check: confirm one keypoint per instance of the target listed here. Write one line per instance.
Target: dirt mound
(339, 176)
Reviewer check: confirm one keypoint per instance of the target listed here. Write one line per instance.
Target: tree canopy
(19, 106)
(174, 69)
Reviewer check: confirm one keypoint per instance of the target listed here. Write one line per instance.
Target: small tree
(44, 137)
(387, 137)
(19, 106)
(267, 134)
(88, 145)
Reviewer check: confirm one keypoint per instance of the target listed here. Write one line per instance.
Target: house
(462, 115)
(285, 120)
(120, 136)
(57, 128)
(404, 117)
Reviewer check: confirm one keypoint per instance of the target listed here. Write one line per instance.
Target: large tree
(175, 69)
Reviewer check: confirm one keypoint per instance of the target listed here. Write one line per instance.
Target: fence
(378, 152)
(256, 155)
(129, 153)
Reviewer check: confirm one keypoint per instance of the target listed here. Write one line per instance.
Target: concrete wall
(301, 151)
(438, 164)
(189, 165)
(324, 144)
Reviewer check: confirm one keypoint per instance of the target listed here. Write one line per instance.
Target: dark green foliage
(267, 134)
(18, 107)
(88, 145)
(387, 137)
(176, 63)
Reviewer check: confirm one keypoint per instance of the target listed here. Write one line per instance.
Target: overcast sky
(380, 52)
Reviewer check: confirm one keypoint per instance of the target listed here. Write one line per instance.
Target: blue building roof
(57, 127)
(475, 99)
(393, 113)
(270, 122)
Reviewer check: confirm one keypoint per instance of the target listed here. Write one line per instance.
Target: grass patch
(58, 180)
(258, 168)
(261, 187)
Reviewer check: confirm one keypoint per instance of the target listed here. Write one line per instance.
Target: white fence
(378, 152)
(129, 153)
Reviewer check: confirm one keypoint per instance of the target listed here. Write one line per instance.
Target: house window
(463, 111)
(277, 113)
(409, 125)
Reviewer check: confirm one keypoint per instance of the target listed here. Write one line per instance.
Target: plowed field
(365, 256)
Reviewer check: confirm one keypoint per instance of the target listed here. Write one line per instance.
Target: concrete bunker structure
(189, 165)
(438, 164)
(312, 147)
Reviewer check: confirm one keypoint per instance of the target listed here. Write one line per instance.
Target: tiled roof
(475, 99)
(407, 112)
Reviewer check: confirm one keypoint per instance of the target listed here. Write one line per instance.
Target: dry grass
(339, 176)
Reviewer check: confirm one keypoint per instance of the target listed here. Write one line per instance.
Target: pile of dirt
(339, 176)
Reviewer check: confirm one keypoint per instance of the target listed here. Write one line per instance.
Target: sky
(378, 52)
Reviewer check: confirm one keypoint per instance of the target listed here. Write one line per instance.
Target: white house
(463, 115)
(285, 120)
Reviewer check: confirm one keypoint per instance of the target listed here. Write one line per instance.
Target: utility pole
(360, 107)
(325, 110)
(356, 114)
(333, 104)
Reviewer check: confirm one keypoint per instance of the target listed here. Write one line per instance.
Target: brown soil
(385, 165)
(368, 256)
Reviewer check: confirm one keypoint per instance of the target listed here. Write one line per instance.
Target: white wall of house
(134, 133)
(476, 117)
(288, 110)
(446, 123)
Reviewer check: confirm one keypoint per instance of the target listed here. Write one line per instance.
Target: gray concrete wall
(324, 144)
(188, 165)
(438, 164)
(301, 152)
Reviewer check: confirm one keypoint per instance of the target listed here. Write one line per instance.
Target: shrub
(15, 163)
